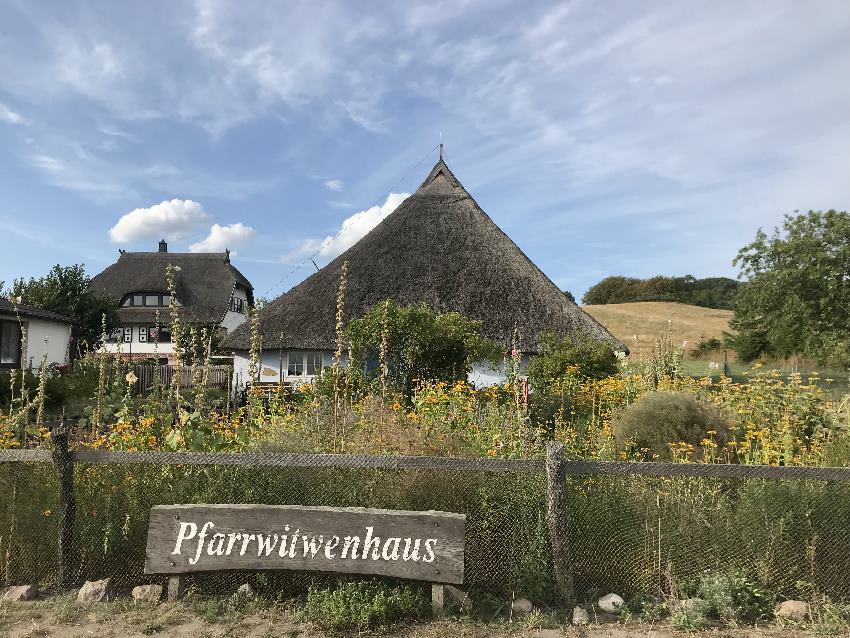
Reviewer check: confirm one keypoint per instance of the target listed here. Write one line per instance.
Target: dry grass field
(639, 324)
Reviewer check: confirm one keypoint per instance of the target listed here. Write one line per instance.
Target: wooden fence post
(67, 503)
(557, 519)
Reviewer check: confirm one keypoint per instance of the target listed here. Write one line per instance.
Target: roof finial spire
(441, 150)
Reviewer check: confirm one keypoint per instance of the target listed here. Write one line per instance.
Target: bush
(661, 419)
(735, 597)
(363, 604)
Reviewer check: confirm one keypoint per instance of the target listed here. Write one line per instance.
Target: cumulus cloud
(351, 231)
(335, 184)
(232, 237)
(170, 219)
(9, 116)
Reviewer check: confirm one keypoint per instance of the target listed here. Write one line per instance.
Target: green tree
(609, 290)
(418, 343)
(65, 290)
(796, 299)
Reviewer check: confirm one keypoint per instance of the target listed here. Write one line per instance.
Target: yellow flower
(131, 378)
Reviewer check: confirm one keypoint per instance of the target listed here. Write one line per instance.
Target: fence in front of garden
(534, 527)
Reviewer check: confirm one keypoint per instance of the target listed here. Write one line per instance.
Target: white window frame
(291, 363)
(143, 334)
(128, 334)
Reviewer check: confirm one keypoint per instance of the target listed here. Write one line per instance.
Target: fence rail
(437, 463)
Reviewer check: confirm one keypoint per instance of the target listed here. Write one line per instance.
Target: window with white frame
(313, 363)
(128, 334)
(295, 363)
(143, 334)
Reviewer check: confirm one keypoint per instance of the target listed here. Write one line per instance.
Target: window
(128, 335)
(148, 300)
(296, 364)
(314, 363)
(143, 334)
(165, 334)
(237, 304)
(10, 344)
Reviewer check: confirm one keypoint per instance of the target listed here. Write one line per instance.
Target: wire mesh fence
(630, 533)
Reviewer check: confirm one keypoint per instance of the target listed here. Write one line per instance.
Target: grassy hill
(639, 324)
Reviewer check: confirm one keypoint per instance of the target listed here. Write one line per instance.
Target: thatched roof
(10, 310)
(204, 284)
(440, 248)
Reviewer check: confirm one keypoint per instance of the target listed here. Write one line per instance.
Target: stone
(457, 598)
(793, 610)
(21, 593)
(147, 593)
(246, 591)
(96, 591)
(521, 607)
(580, 616)
(611, 603)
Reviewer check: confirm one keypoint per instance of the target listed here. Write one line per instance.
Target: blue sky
(605, 138)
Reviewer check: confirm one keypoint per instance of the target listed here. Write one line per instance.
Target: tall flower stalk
(176, 333)
(340, 325)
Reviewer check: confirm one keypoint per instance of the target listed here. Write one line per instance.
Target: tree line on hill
(711, 292)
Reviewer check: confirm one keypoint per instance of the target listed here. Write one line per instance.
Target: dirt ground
(63, 617)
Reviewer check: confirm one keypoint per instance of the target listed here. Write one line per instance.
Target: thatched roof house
(210, 291)
(440, 248)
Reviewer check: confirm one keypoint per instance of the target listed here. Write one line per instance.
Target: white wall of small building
(481, 375)
(45, 337)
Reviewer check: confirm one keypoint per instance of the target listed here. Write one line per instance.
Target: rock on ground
(580, 616)
(611, 603)
(457, 598)
(21, 593)
(521, 607)
(793, 610)
(96, 591)
(147, 593)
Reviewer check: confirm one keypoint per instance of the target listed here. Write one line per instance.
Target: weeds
(363, 604)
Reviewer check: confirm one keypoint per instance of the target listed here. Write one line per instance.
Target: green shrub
(647, 608)
(661, 418)
(706, 346)
(362, 604)
(688, 619)
(732, 597)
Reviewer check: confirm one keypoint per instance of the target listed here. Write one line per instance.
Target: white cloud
(335, 184)
(9, 116)
(351, 231)
(170, 219)
(221, 237)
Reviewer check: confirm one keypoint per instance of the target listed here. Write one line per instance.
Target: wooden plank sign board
(416, 545)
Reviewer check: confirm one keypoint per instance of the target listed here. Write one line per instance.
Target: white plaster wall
(270, 366)
(232, 319)
(44, 336)
(486, 374)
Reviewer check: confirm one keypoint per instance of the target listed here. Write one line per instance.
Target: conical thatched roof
(440, 248)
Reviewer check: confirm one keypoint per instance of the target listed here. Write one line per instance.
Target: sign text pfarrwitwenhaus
(417, 545)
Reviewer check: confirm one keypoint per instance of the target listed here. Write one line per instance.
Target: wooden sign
(416, 545)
